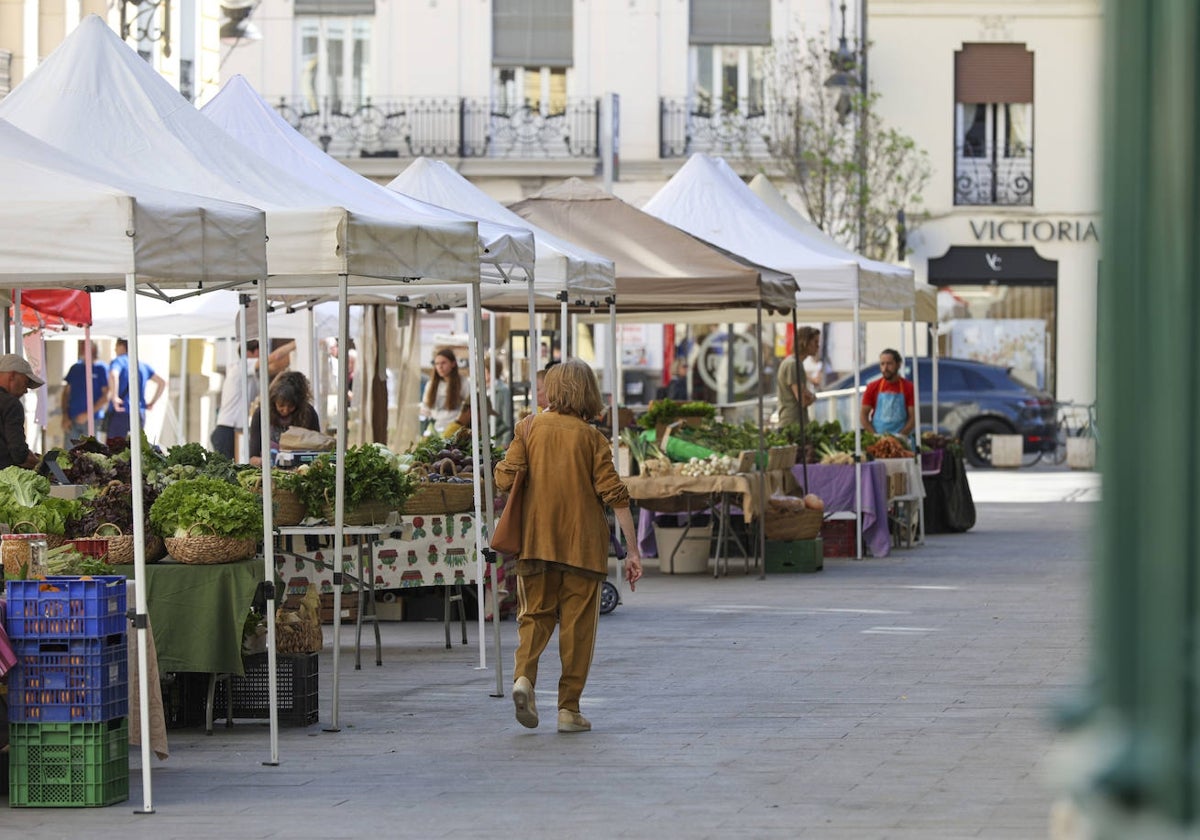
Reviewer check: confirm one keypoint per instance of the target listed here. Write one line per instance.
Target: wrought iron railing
(1005, 181)
(445, 127)
(687, 127)
(5, 72)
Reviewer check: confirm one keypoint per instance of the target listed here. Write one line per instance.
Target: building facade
(518, 94)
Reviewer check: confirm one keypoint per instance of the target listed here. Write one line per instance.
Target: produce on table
(373, 474)
(209, 506)
(25, 498)
(712, 465)
(668, 411)
(889, 446)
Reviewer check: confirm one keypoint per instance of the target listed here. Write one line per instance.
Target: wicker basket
(439, 497)
(288, 509)
(120, 546)
(364, 513)
(795, 525)
(208, 549)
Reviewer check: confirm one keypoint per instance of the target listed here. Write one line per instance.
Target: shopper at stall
(75, 397)
(569, 480)
(233, 412)
(446, 393)
(887, 404)
(117, 417)
(16, 377)
(290, 401)
(791, 384)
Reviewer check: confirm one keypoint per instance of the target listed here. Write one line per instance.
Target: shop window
(727, 56)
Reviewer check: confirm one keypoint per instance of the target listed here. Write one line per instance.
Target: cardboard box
(785, 556)
(897, 485)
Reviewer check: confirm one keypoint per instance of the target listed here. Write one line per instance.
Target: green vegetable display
(25, 497)
(208, 505)
(668, 411)
(372, 474)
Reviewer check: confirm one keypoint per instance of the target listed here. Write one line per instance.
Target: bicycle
(1075, 420)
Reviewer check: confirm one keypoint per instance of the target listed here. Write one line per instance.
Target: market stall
(97, 99)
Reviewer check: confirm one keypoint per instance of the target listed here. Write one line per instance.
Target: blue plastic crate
(62, 607)
(69, 680)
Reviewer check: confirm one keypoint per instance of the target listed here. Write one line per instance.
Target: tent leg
(268, 523)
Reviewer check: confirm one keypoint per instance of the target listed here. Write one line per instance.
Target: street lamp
(846, 82)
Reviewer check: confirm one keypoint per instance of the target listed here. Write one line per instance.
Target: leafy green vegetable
(371, 475)
(24, 486)
(217, 507)
(668, 411)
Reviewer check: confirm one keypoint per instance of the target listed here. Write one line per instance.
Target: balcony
(411, 127)
(996, 180)
(686, 127)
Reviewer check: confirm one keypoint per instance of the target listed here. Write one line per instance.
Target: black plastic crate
(184, 695)
(296, 676)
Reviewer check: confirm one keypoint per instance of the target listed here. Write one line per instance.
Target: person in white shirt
(447, 393)
(233, 414)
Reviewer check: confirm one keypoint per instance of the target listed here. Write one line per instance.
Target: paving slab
(907, 697)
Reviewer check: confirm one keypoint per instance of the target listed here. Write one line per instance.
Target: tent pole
(917, 491)
(268, 522)
(141, 620)
(533, 347)
(243, 369)
(857, 415)
(614, 412)
(480, 459)
(762, 424)
(88, 361)
(18, 325)
(339, 496)
(803, 412)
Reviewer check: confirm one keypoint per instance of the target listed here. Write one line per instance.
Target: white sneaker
(569, 721)
(524, 702)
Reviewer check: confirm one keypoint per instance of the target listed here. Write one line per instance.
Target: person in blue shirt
(118, 390)
(74, 397)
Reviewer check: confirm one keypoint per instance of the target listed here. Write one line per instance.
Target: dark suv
(975, 401)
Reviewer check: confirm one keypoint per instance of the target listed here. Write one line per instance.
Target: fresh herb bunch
(668, 411)
(372, 474)
(216, 506)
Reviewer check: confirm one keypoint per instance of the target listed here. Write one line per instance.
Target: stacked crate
(68, 694)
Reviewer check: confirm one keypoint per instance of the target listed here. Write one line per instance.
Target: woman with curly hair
(447, 394)
(569, 481)
(290, 401)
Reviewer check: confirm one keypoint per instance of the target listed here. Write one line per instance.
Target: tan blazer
(571, 479)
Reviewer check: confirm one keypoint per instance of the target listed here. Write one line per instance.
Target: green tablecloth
(197, 612)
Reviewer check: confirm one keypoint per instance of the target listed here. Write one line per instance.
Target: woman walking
(569, 480)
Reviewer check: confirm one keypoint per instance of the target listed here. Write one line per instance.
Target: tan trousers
(571, 601)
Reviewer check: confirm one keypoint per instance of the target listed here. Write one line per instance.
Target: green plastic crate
(68, 765)
(795, 556)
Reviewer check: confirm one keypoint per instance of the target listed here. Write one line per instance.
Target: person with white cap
(16, 377)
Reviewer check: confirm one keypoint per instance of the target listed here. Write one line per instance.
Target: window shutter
(532, 33)
(335, 8)
(725, 22)
(993, 73)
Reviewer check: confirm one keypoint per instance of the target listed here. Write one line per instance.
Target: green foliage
(216, 506)
(841, 170)
(372, 474)
(668, 411)
(22, 486)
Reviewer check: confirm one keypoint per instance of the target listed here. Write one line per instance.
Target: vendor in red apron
(887, 406)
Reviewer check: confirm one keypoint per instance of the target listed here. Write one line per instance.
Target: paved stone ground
(904, 697)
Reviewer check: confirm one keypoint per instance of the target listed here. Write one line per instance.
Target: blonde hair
(571, 388)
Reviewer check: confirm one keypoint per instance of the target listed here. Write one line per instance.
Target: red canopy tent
(71, 307)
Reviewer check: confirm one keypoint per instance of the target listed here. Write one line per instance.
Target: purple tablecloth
(834, 483)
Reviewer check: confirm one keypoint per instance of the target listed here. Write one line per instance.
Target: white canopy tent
(99, 100)
(77, 231)
(708, 199)
(244, 115)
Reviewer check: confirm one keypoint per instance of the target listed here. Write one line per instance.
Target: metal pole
(863, 113)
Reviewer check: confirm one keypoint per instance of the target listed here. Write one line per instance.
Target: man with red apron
(887, 406)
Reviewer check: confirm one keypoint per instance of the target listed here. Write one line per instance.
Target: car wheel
(977, 441)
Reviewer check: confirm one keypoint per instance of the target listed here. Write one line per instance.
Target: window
(334, 52)
(728, 51)
(532, 48)
(335, 61)
(993, 125)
